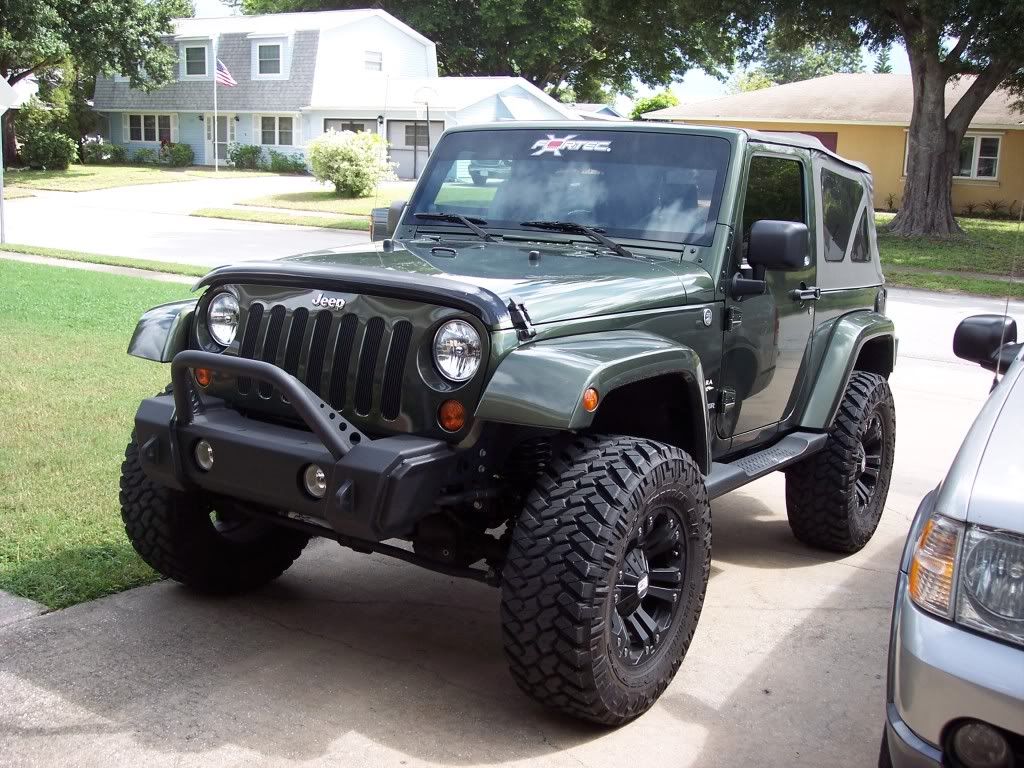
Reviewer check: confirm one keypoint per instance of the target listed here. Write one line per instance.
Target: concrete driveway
(362, 661)
(151, 221)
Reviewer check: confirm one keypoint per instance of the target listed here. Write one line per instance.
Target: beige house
(865, 117)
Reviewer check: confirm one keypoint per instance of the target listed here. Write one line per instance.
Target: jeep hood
(559, 281)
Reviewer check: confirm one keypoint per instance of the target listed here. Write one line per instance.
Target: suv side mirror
(384, 221)
(980, 338)
(778, 245)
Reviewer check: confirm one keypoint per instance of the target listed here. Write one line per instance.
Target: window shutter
(297, 131)
(174, 128)
(256, 137)
(125, 133)
(209, 127)
(231, 129)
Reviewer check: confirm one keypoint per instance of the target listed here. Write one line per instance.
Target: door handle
(803, 293)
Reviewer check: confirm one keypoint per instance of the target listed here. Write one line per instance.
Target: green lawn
(990, 247)
(326, 201)
(84, 178)
(114, 261)
(361, 223)
(68, 393)
(13, 193)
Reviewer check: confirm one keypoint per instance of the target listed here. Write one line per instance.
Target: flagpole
(216, 163)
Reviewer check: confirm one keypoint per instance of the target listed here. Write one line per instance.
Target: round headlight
(457, 350)
(222, 318)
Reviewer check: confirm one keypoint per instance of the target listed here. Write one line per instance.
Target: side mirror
(384, 221)
(979, 338)
(777, 245)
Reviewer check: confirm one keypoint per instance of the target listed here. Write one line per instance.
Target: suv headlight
(222, 318)
(457, 350)
(991, 592)
(971, 574)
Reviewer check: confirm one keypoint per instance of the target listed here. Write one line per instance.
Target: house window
(276, 130)
(373, 61)
(416, 135)
(151, 128)
(195, 60)
(979, 157)
(338, 124)
(269, 59)
(841, 197)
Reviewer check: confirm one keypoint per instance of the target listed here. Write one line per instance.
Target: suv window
(840, 201)
(775, 190)
(860, 251)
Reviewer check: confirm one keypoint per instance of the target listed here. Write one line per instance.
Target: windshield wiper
(572, 228)
(470, 222)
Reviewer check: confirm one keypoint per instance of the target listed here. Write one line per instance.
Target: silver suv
(955, 694)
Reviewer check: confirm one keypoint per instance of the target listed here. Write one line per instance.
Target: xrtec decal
(568, 143)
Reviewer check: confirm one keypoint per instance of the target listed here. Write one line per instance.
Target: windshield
(641, 185)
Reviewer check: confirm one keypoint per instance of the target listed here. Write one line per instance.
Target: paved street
(151, 221)
(361, 661)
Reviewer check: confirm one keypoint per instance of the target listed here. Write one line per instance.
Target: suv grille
(340, 357)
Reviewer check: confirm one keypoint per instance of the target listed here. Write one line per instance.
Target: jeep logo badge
(328, 303)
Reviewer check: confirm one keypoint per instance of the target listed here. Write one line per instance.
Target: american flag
(224, 77)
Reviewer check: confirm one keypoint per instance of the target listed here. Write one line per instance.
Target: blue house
(302, 74)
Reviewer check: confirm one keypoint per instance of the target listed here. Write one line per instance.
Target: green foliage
(118, 153)
(995, 209)
(48, 149)
(35, 117)
(790, 57)
(752, 80)
(891, 202)
(282, 163)
(94, 154)
(247, 156)
(145, 156)
(647, 104)
(970, 209)
(883, 66)
(355, 163)
(177, 155)
(582, 46)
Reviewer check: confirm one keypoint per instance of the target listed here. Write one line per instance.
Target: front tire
(605, 577)
(835, 498)
(182, 537)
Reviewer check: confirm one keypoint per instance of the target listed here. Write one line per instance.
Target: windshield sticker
(568, 143)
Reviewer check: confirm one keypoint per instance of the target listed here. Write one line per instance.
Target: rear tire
(835, 498)
(605, 577)
(182, 537)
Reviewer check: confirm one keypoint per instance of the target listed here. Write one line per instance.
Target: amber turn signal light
(451, 416)
(590, 399)
(203, 377)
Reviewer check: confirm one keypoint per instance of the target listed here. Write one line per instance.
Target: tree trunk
(10, 145)
(932, 152)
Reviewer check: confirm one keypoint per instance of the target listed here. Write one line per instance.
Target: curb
(14, 609)
(49, 261)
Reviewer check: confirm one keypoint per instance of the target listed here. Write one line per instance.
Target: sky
(695, 86)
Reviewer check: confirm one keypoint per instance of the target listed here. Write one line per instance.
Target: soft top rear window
(631, 184)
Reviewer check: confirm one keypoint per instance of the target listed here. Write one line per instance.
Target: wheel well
(876, 356)
(660, 408)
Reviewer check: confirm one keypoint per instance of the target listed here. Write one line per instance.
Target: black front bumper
(376, 489)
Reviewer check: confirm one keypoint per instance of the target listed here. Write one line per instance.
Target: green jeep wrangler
(540, 382)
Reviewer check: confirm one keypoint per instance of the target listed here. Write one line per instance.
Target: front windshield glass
(642, 185)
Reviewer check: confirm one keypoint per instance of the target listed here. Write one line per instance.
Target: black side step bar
(789, 450)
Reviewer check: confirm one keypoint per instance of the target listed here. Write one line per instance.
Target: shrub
(355, 163)
(177, 155)
(118, 153)
(94, 153)
(995, 208)
(50, 150)
(248, 156)
(891, 201)
(145, 156)
(970, 209)
(282, 163)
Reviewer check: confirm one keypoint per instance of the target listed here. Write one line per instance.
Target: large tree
(582, 47)
(945, 40)
(37, 36)
(786, 56)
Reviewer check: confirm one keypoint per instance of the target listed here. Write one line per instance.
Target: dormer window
(269, 58)
(195, 60)
(373, 61)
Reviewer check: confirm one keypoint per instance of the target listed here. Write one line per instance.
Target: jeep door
(766, 336)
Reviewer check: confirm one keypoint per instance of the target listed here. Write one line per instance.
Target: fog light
(451, 416)
(203, 377)
(315, 481)
(978, 745)
(204, 455)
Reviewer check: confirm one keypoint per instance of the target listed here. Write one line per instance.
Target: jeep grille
(336, 356)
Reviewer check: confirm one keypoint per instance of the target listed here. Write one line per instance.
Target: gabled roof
(602, 110)
(840, 98)
(442, 93)
(285, 23)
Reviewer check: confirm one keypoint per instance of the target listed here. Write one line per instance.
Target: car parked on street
(955, 693)
(540, 383)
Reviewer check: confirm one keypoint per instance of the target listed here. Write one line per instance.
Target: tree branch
(984, 85)
(951, 63)
(12, 79)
